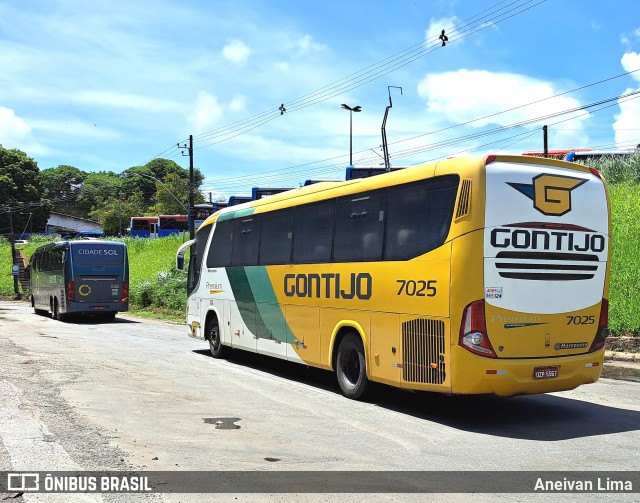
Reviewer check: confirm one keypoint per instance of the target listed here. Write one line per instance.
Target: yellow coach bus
(468, 275)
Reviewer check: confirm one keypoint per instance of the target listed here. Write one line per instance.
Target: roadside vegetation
(158, 290)
(624, 290)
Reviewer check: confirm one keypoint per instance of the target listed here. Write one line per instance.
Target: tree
(172, 196)
(62, 186)
(159, 181)
(22, 204)
(97, 189)
(115, 214)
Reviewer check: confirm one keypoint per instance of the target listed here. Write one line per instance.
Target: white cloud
(236, 51)
(123, 100)
(15, 132)
(207, 112)
(73, 128)
(630, 62)
(468, 95)
(238, 103)
(12, 127)
(626, 122)
(307, 45)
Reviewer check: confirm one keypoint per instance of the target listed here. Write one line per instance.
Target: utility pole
(191, 203)
(545, 140)
(385, 148)
(190, 213)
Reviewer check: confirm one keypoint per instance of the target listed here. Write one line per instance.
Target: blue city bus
(144, 227)
(234, 200)
(80, 277)
(204, 210)
(172, 224)
(354, 172)
(591, 155)
(311, 181)
(260, 192)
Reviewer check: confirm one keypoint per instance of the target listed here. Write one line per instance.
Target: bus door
(153, 229)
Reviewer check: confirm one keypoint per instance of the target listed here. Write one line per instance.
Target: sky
(107, 85)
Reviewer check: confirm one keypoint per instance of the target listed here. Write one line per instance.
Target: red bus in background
(172, 224)
(144, 227)
(555, 154)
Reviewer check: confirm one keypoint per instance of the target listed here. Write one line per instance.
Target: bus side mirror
(180, 254)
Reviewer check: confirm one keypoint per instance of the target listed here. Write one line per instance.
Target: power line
(291, 172)
(371, 72)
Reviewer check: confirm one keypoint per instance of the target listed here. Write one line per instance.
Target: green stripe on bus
(257, 302)
(236, 214)
(269, 309)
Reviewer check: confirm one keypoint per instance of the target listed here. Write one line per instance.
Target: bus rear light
(473, 331)
(603, 330)
(489, 159)
(71, 294)
(595, 172)
(125, 291)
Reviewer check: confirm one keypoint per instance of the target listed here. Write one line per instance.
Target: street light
(357, 108)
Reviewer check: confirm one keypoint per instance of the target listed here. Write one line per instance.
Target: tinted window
(221, 244)
(359, 229)
(277, 238)
(419, 216)
(313, 232)
(196, 253)
(246, 241)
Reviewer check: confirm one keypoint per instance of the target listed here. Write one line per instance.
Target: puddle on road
(223, 423)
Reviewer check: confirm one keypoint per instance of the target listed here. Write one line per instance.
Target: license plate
(545, 372)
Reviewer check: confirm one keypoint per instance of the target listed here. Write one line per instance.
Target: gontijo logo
(551, 194)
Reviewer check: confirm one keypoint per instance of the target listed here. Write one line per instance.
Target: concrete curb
(618, 365)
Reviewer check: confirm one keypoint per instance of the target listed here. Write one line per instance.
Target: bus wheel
(351, 367)
(108, 316)
(39, 312)
(215, 342)
(57, 315)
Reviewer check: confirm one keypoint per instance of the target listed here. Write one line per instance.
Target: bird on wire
(444, 38)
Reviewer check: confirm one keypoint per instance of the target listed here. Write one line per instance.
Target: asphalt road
(140, 395)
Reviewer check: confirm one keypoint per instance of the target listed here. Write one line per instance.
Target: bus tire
(56, 314)
(215, 341)
(39, 312)
(351, 367)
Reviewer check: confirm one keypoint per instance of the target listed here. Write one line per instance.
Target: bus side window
(359, 228)
(419, 217)
(221, 245)
(313, 233)
(246, 241)
(277, 238)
